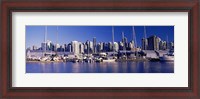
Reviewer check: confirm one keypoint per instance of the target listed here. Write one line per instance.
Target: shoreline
(138, 60)
(44, 61)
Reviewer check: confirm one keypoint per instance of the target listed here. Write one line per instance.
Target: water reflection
(115, 67)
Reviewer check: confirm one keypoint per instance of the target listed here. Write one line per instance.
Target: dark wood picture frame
(190, 6)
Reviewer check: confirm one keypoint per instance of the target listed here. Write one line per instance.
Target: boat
(108, 60)
(98, 59)
(88, 60)
(45, 58)
(167, 57)
(56, 58)
(75, 60)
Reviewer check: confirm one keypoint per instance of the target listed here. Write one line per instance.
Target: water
(115, 67)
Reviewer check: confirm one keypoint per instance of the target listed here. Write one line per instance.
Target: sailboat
(45, 58)
(56, 57)
(169, 56)
(110, 59)
(135, 42)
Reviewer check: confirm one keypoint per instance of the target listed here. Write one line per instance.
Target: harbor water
(103, 67)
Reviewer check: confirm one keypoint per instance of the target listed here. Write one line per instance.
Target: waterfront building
(157, 42)
(105, 47)
(52, 47)
(57, 46)
(35, 47)
(85, 48)
(153, 43)
(121, 45)
(28, 49)
(48, 45)
(81, 47)
(171, 45)
(43, 45)
(65, 46)
(162, 45)
(69, 47)
(94, 45)
(110, 46)
(90, 47)
(75, 47)
(122, 37)
(115, 47)
(131, 45)
(100, 47)
(144, 44)
(125, 42)
(62, 48)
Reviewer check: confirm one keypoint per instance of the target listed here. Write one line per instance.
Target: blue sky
(66, 34)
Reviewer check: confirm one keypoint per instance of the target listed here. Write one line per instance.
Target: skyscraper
(65, 49)
(144, 44)
(81, 47)
(171, 45)
(62, 48)
(43, 45)
(110, 46)
(131, 45)
(94, 45)
(48, 46)
(161, 45)
(56, 47)
(100, 47)
(115, 47)
(151, 43)
(85, 47)
(91, 47)
(121, 45)
(35, 47)
(157, 43)
(105, 47)
(123, 41)
(69, 47)
(75, 47)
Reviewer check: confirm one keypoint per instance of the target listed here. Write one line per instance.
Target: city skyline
(35, 34)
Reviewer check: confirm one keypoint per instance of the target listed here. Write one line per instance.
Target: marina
(153, 51)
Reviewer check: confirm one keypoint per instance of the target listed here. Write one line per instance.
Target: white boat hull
(109, 60)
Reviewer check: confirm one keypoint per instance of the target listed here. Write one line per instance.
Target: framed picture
(100, 49)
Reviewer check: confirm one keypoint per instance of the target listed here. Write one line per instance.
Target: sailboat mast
(145, 35)
(56, 38)
(144, 46)
(45, 38)
(57, 35)
(113, 37)
(134, 36)
(135, 41)
(123, 40)
(167, 42)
